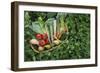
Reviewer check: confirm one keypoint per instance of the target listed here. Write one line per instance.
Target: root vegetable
(46, 41)
(34, 41)
(42, 43)
(47, 46)
(44, 36)
(40, 48)
(39, 36)
(56, 42)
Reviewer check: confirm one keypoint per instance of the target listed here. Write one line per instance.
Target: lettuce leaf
(36, 27)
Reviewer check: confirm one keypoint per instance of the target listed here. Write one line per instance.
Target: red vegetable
(39, 36)
(46, 41)
(44, 36)
(42, 43)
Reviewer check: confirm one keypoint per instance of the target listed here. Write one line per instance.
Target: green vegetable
(62, 26)
(50, 29)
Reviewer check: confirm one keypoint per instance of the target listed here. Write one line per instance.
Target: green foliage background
(76, 43)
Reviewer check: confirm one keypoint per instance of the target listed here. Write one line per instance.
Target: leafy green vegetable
(36, 27)
(50, 28)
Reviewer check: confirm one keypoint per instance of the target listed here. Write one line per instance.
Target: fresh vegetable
(62, 27)
(42, 43)
(56, 42)
(34, 41)
(46, 41)
(40, 48)
(44, 36)
(47, 46)
(50, 29)
(39, 36)
(57, 35)
(37, 28)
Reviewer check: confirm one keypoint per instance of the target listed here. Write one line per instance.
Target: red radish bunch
(42, 42)
(39, 36)
(42, 38)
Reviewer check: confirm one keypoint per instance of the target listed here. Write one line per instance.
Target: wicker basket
(51, 49)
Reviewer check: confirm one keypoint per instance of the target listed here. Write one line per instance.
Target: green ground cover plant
(75, 43)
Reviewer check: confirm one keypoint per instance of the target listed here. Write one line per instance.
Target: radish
(46, 41)
(42, 43)
(44, 36)
(34, 41)
(39, 36)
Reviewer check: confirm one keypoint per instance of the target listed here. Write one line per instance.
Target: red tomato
(42, 43)
(39, 36)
